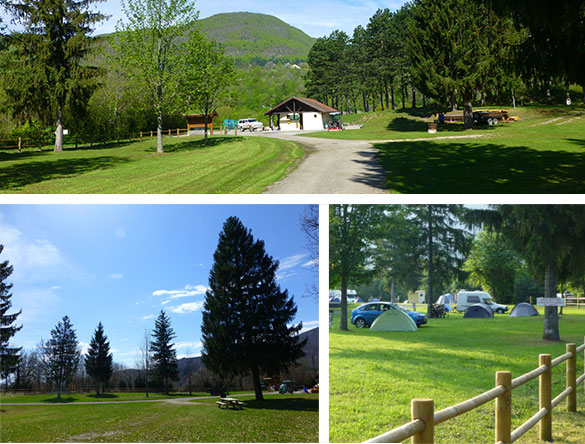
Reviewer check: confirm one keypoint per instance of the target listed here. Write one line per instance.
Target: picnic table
(230, 402)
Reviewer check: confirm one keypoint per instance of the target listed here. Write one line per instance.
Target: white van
(466, 299)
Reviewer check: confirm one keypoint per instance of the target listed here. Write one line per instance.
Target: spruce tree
(164, 356)
(247, 319)
(53, 46)
(98, 361)
(61, 355)
(8, 355)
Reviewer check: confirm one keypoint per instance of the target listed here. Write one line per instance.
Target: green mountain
(247, 36)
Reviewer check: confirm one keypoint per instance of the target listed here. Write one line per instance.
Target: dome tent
(393, 320)
(359, 300)
(523, 309)
(480, 310)
(445, 299)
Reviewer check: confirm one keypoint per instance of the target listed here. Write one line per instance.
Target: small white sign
(550, 302)
(65, 132)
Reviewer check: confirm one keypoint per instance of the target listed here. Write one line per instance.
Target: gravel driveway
(332, 167)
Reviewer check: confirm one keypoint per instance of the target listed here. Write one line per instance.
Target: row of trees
(247, 326)
(157, 62)
(453, 51)
(412, 245)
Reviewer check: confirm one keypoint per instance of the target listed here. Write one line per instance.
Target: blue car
(366, 314)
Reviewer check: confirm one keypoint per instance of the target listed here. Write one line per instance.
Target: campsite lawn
(66, 398)
(374, 375)
(279, 418)
(227, 165)
(542, 153)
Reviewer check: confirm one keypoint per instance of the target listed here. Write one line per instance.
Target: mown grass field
(51, 398)
(542, 153)
(279, 418)
(228, 165)
(374, 375)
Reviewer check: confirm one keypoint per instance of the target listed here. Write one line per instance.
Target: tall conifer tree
(62, 355)
(164, 356)
(247, 319)
(8, 355)
(98, 361)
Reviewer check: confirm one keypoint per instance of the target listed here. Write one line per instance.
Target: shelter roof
(300, 104)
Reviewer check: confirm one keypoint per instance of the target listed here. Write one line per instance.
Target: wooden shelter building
(298, 113)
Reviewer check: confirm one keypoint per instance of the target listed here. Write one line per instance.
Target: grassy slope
(291, 418)
(534, 155)
(374, 375)
(249, 34)
(89, 397)
(228, 165)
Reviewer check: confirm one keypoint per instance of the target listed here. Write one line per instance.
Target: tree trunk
(468, 114)
(583, 92)
(365, 102)
(548, 96)
(205, 130)
(59, 130)
(392, 97)
(257, 388)
(413, 98)
(403, 96)
(392, 290)
(343, 319)
(159, 129)
(514, 98)
(386, 93)
(430, 266)
(551, 315)
(424, 100)
(381, 95)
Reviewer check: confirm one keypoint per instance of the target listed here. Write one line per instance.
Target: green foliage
(61, 355)
(246, 316)
(98, 360)
(8, 355)
(493, 264)
(164, 356)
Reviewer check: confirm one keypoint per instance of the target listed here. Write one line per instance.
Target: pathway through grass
(374, 375)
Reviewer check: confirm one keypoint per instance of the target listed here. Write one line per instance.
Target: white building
(297, 114)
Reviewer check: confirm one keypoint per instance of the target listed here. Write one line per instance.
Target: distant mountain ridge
(247, 34)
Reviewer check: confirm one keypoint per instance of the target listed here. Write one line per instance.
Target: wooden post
(236, 130)
(177, 132)
(211, 128)
(572, 378)
(141, 136)
(545, 398)
(531, 301)
(504, 408)
(225, 130)
(424, 409)
(151, 134)
(19, 144)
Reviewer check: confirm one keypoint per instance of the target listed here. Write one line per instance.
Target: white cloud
(311, 263)
(309, 325)
(189, 355)
(84, 347)
(117, 276)
(120, 233)
(187, 291)
(188, 344)
(187, 307)
(147, 317)
(56, 287)
(292, 261)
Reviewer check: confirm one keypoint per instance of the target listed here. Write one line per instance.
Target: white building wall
(313, 121)
(289, 125)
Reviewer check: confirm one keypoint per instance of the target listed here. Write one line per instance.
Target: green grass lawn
(227, 165)
(374, 375)
(92, 397)
(279, 418)
(534, 155)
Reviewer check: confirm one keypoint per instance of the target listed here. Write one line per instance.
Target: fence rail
(574, 301)
(424, 418)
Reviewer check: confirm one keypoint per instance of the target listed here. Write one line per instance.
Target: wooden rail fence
(574, 301)
(424, 418)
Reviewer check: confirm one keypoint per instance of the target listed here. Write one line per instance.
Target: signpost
(550, 302)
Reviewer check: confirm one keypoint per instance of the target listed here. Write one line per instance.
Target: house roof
(300, 104)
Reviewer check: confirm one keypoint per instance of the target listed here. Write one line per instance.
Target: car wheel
(500, 311)
(360, 323)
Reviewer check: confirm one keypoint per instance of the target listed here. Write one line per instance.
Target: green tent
(393, 320)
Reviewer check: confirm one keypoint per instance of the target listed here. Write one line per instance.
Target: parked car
(365, 315)
(466, 299)
(250, 125)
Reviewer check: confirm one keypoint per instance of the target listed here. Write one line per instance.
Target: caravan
(466, 299)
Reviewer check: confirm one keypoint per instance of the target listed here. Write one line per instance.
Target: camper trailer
(417, 297)
(466, 299)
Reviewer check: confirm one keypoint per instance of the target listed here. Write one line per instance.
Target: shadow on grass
(291, 404)
(475, 167)
(28, 173)
(63, 400)
(191, 145)
(404, 124)
(103, 396)
(374, 175)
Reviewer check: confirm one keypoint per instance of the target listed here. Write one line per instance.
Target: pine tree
(8, 355)
(53, 45)
(246, 315)
(61, 355)
(164, 356)
(98, 361)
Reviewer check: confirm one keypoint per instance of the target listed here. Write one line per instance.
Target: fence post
(19, 144)
(151, 134)
(504, 408)
(424, 409)
(177, 131)
(546, 398)
(572, 378)
(141, 136)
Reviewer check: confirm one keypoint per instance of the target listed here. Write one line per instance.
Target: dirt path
(332, 167)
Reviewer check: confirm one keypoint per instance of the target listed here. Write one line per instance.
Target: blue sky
(316, 17)
(122, 264)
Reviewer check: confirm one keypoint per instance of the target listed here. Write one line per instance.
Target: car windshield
(488, 301)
